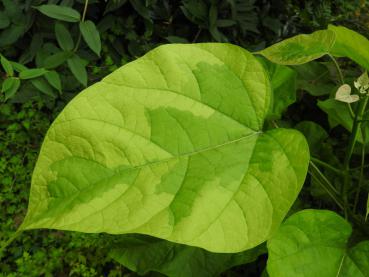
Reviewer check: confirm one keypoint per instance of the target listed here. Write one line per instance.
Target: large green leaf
(301, 48)
(314, 243)
(171, 145)
(144, 254)
(350, 44)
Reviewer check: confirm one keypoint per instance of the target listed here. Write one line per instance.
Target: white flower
(343, 94)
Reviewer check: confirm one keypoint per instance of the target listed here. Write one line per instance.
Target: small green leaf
(91, 35)
(77, 67)
(145, 254)
(43, 86)
(301, 48)
(8, 68)
(53, 78)
(313, 243)
(350, 44)
(18, 66)
(60, 12)
(57, 59)
(10, 87)
(32, 73)
(63, 37)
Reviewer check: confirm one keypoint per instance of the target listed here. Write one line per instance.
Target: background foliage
(118, 32)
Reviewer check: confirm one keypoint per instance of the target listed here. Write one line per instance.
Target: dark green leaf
(43, 86)
(63, 37)
(91, 35)
(4, 20)
(314, 133)
(32, 73)
(53, 78)
(8, 68)
(114, 5)
(56, 59)
(144, 254)
(11, 34)
(76, 66)
(60, 12)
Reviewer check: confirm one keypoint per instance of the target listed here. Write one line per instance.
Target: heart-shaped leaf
(343, 94)
(314, 243)
(171, 145)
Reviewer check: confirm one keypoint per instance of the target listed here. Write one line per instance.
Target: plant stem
(324, 178)
(82, 20)
(333, 195)
(361, 178)
(326, 165)
(346, 165)
(10, 240)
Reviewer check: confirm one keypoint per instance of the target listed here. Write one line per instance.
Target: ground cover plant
(188, 157)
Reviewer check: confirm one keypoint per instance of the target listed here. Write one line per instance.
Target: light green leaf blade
(314, 243)
(78, 69)
(60, 12)
(63, 37)
(145, 254)
(301, 48)
(10, 87)
(171, 145)
(91, 35)
(7, 66)
(32, 73)
(350, 44)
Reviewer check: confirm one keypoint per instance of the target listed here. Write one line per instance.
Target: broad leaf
(301, 48)
(56, 59)
(314, 243)
(351, 44)
(91, 35)
(43, 86)
(60, 12)
(144, 254)
(171, 145)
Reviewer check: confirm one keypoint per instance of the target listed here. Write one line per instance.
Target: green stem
(334, 197)
(326, 165)
(324, 178)
(82, 20)
(346, 165)
(10, 240)
(361, 178)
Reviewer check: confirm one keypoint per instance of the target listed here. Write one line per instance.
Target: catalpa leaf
(301, 48)
(144, 254)
(350, 44)
(171, 145)
(314, 243)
